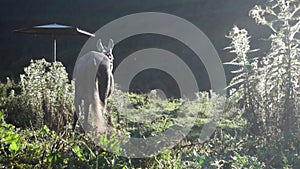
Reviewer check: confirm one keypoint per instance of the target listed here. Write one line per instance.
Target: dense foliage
(44, 96)
(33, 144)
(267, 87)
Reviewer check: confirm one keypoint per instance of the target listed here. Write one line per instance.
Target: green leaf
(52, 157)
(1, 117)
(78, 151)
(201, 160)
(11, 137)
(46, 129)
(285, 160)
(14, 146)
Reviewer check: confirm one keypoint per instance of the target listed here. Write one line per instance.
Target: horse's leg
(75, 118)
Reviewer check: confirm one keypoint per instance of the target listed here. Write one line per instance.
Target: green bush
(44, 148)
(267, 87)
(45, 98)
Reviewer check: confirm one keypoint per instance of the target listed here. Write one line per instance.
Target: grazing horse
(94, 83)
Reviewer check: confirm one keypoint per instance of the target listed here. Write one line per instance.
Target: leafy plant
(267, 87)
(46, 96)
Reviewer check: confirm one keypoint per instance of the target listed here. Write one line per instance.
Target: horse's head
(107, 50)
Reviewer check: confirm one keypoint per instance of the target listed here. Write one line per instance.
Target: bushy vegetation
(44, 96)
(258, 127)
(38, 142)
(267, 87)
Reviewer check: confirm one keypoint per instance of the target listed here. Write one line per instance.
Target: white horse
(94, 83)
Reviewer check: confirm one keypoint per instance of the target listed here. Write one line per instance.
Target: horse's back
(85, 73)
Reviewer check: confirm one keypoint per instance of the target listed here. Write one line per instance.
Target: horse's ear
(110, 44)
(100, 46)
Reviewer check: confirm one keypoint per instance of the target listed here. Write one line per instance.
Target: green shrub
(45, 98)
(267, 87)
(44, 148)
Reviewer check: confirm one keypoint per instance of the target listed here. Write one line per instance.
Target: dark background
(214, 17)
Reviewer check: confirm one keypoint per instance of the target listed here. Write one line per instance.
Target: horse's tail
(103, 78)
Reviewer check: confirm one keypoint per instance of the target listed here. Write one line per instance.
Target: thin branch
(295, 11)
(295, 30)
